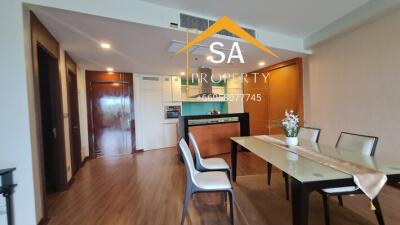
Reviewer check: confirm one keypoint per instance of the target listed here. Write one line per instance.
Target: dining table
(307, 175)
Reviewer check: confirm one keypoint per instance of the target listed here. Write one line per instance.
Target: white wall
(20, 144)
(15, 129)
(352, 84)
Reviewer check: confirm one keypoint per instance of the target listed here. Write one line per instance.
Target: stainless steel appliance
(172, 111)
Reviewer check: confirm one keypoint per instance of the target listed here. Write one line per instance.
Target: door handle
(54, 130)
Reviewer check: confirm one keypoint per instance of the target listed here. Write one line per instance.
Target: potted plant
(291, 127)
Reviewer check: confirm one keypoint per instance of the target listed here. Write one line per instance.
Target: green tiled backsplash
(202, 108)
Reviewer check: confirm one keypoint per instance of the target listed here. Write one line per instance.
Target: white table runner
(370, 181)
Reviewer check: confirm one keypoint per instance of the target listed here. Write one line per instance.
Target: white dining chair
(362, 144)
(309, 133)
(209, 164)
(196, 181)
(305, 133)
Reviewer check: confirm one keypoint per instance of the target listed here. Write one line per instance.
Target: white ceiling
(297, 18)
(135, 47)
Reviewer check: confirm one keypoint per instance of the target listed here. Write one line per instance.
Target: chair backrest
(198, 159)
(309, 133)
(188, 160)
(358, 143)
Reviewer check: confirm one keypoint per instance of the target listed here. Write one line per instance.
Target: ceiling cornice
(356, 18)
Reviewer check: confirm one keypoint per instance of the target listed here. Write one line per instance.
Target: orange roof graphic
(225, 23)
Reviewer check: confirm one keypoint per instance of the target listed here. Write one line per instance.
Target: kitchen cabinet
(170, 135)
(151, 92)
(167, 89)
(176, 88)
(171, 89)
(155, 92)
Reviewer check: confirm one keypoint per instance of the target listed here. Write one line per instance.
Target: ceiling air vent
(193, 22)
(227, 33)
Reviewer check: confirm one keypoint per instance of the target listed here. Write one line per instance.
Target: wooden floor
(147, 189)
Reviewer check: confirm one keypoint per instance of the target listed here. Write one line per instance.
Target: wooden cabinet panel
(258, 110)
(211, 140)
(283, 94)
(282, 91)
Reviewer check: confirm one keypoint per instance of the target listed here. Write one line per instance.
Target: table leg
(7, 196)
(233, 159)
(300, 200)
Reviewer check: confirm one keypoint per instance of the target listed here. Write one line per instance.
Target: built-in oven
(172, 111)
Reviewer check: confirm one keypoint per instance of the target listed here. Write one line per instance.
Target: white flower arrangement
(291, 124)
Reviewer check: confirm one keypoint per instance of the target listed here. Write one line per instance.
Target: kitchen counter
(194, 122)
(213, 132)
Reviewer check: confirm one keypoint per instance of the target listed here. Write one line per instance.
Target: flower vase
(292, 141)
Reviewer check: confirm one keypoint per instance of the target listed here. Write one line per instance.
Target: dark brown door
(74, 121)
(111, 118)
(48, 74)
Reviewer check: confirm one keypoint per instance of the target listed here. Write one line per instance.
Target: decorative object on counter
(291, 127)
(214, 111)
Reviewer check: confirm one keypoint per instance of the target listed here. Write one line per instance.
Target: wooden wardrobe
(282, 90)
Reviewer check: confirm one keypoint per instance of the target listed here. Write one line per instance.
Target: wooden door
(111, 118)
(72, 85)
(48, 78)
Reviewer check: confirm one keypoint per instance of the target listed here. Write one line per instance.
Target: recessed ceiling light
(183, 73)
(105, 45)
(261, 63)
(209, 58)
(110, 69)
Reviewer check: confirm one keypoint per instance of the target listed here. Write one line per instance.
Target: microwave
(172, 111)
